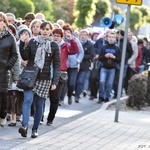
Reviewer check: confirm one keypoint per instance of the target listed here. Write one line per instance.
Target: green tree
(45, 7)
(84, 12)
(135, 20)
(145, 10)
(20, 7)
(103, 9)
(4, 5)
(63, 9)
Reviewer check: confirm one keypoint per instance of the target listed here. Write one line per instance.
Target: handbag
(28, 77)
(95, 73)
(63, 77)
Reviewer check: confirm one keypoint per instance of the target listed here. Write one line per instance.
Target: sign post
(129, 2)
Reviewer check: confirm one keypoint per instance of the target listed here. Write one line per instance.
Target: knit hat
(20, 31)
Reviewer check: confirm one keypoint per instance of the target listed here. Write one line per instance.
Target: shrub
(137, 91)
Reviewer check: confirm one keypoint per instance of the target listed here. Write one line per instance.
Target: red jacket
(139, 58)
(67, 49)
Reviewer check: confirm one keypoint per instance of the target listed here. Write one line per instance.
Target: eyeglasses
(56, 35)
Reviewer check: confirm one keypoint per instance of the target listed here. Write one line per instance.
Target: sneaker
(8, 117)
(41, 122)
(77, 100)
(49, 123)
(106, 100)
(115, 96)
(3, 122)
(18, 119)
(61, 103)
(23, 131)
(69, 100)
(34, 134)
(84, 93)
(92, 97)
(100, 100)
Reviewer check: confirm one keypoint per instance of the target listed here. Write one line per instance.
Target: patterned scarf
(43, 47)
(4, 32)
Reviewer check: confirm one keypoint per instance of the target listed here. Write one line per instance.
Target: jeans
(63, 93)
(141, 68)
(72, 77)
(106, 82)
(80, 82)
(38, 108)
(86, 81)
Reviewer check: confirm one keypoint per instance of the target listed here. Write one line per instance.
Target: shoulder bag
(63, 77)
(28, 77)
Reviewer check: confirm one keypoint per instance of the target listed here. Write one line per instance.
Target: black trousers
(3, 105)
(94, 86)
(54, 101)
(94, 79)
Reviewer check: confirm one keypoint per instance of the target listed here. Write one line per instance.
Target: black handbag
(28, 77)
(63, 77)
(95, 73)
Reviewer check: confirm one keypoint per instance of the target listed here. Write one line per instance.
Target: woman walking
(43, 52)
(8, 57)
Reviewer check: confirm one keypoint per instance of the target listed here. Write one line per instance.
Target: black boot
(34, 133)
(100, 100)
(106, 100)
(23, 131)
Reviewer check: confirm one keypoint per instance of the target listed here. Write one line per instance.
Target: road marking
(63, 113)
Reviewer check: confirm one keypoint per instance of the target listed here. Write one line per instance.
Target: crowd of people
(90, 60)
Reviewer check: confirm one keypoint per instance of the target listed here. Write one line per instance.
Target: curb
(105, 105)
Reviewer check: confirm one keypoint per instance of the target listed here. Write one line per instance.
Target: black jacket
(88, 55)
(8, 57)
(129, 50)
(45, 74)
(110, 63)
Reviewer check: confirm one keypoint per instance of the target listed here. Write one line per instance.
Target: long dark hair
(43, 25)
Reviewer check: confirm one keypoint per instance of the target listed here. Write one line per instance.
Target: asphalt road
(9, 136)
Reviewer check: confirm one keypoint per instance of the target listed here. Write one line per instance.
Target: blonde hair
(34, 21)
(57, 26)
(84, 30)
(4, 17)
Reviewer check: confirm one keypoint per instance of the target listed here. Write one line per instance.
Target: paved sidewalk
(97, 131)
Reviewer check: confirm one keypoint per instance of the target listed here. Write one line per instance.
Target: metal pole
(148, 84)
(122, 64)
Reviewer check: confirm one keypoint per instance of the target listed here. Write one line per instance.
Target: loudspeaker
(118, 19)
(106, 22)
